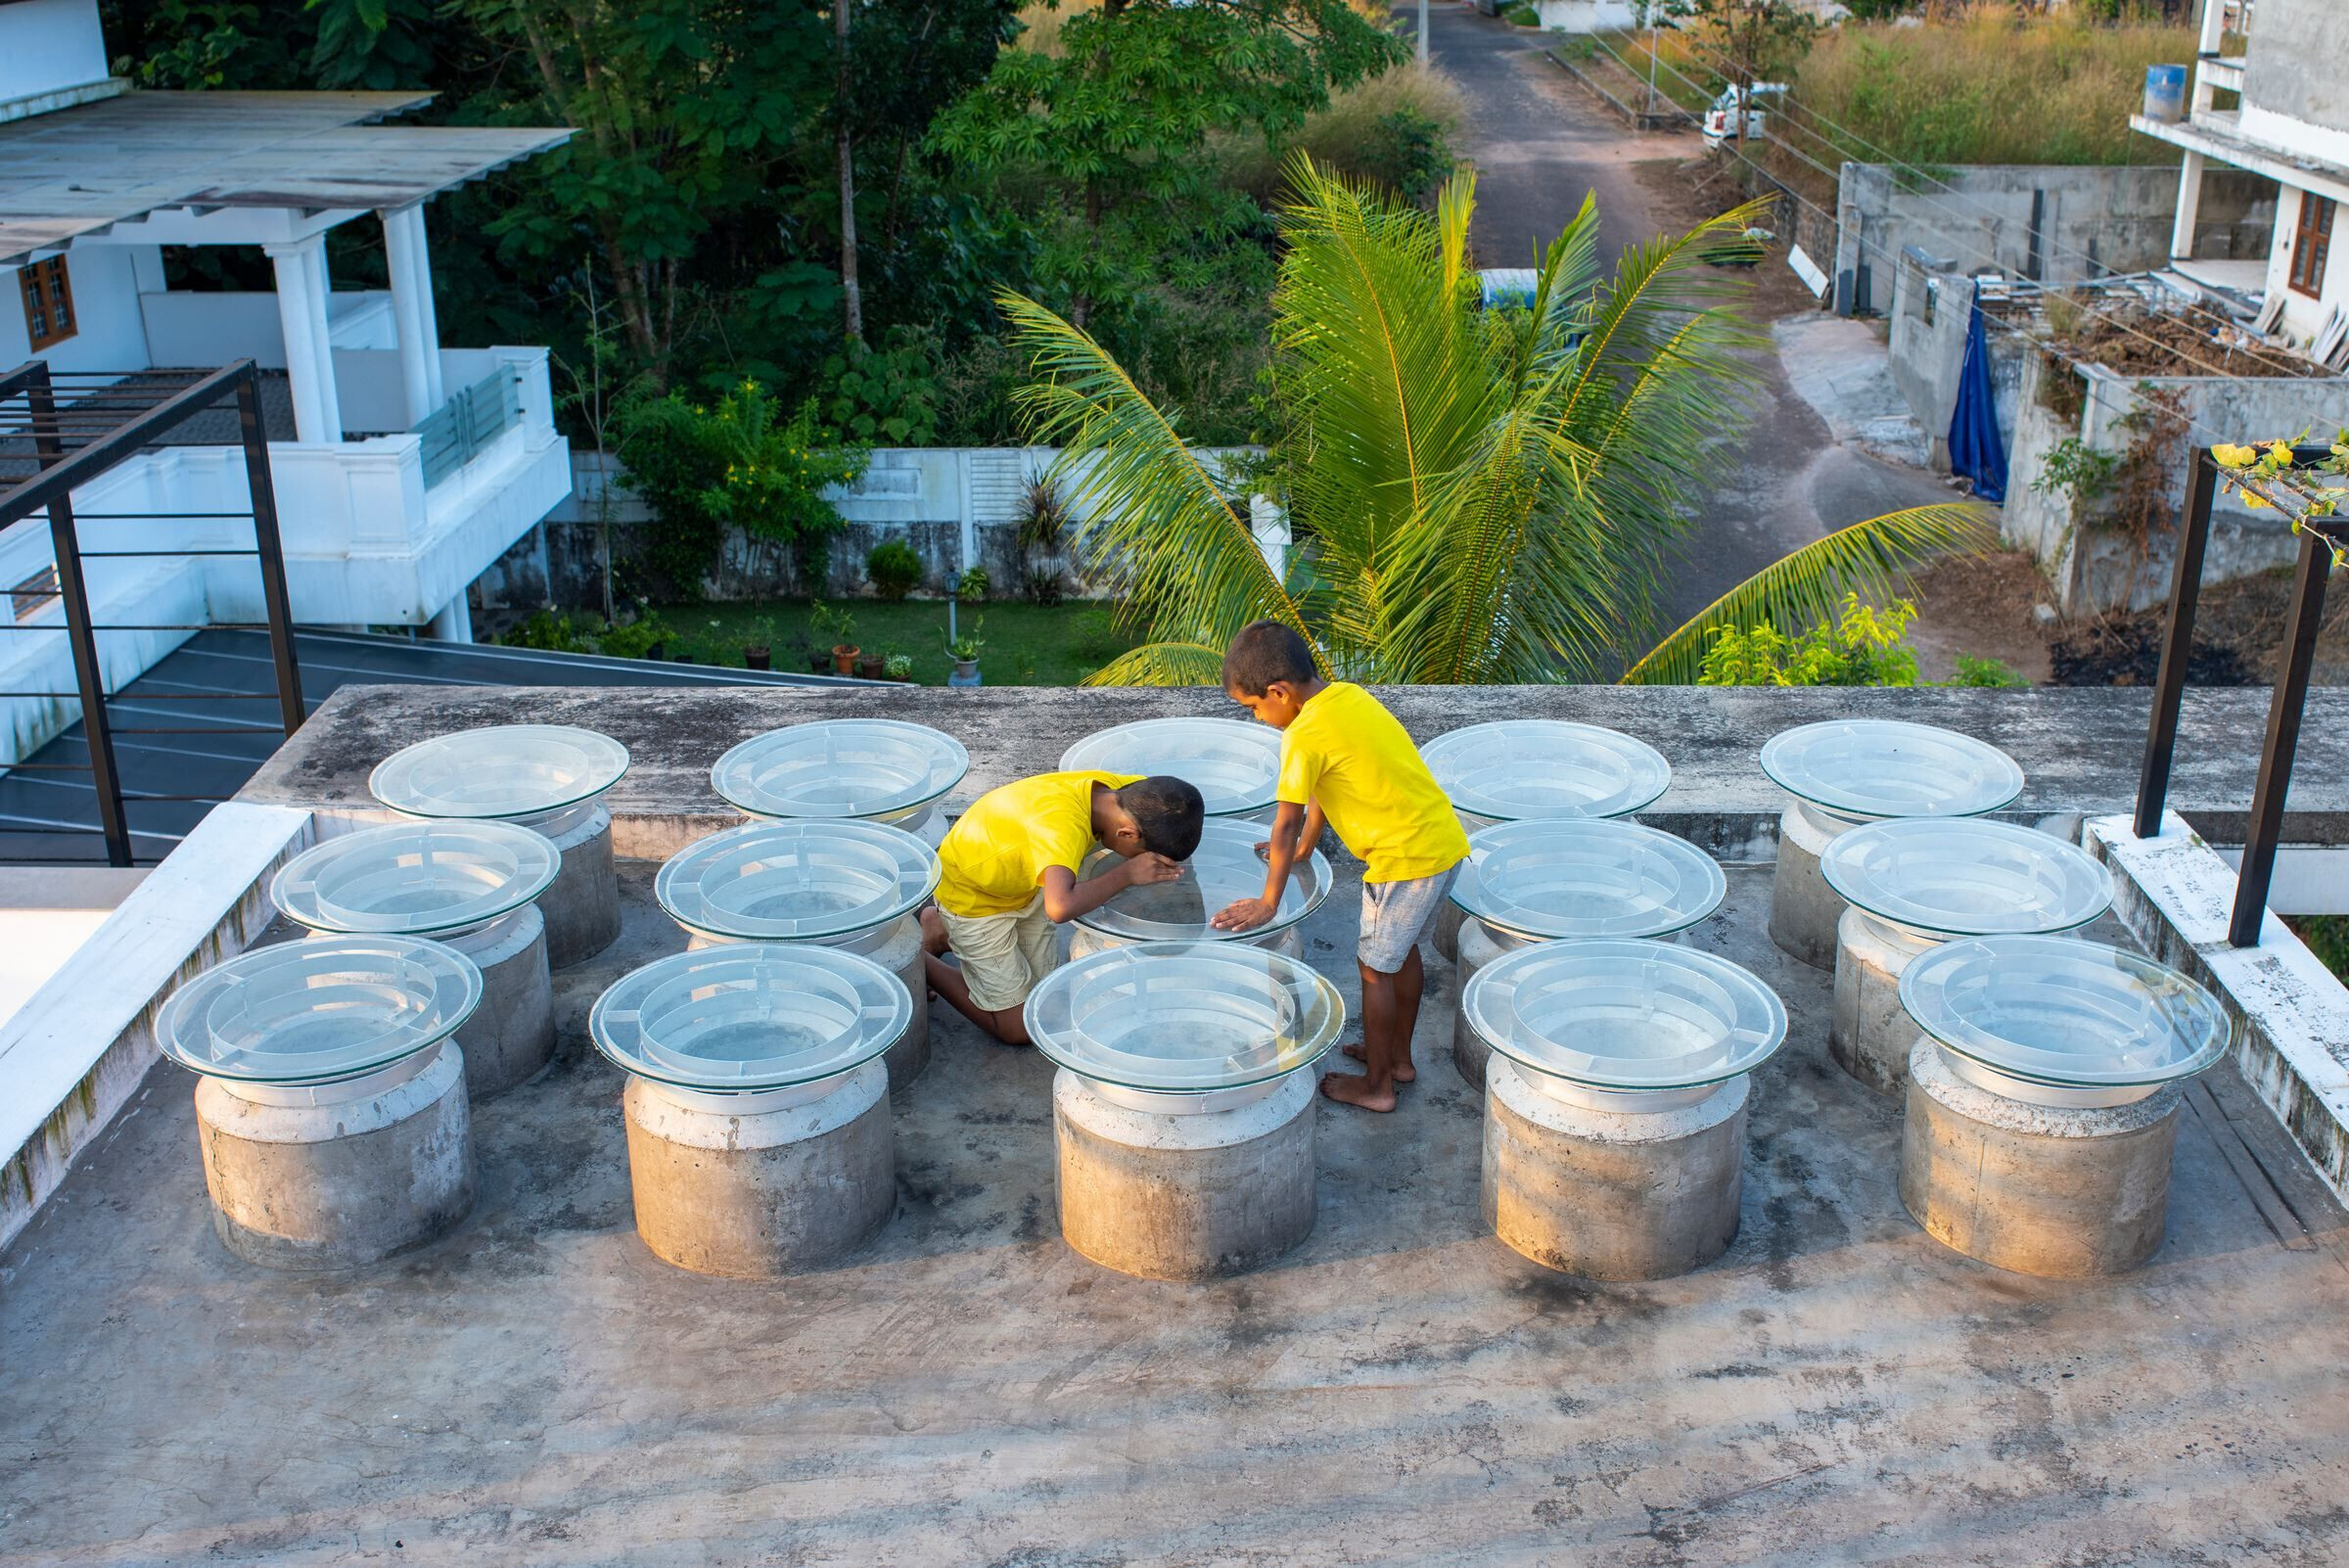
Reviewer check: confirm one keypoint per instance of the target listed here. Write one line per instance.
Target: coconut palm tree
(1477, 495)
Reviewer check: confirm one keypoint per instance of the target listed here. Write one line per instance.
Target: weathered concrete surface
(765, 1193)
(1803, 909)
(338, 1186)
(2066, 1192)
(1871, 1034)
(2079, 747)
(1478, 947)
(582, 905)
(511, 1036)
(1610, 1195)
(1186, 1196)
(538, 1389)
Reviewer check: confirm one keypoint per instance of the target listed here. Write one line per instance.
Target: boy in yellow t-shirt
(1345, 761)
(1007, 876)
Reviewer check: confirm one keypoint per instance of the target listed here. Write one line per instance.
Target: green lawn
(1027, 644)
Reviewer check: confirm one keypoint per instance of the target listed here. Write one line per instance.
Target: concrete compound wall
(2051, 222)
(1927, 321)
(2098, 568)
(956, 506)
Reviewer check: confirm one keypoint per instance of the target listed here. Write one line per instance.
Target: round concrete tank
(1184, 1108)
(1562, 880)
(1536, 769)
(1847, 771)
(1233, 763)
(547, 777)
(1912, 885)
(332, 1117)
(760, 1141)
(2042, 1099)
(469, 885)
(1223, 869)
(1615, 1104)
(839, 883)
(881, 770)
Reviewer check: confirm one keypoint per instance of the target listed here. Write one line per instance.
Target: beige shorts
(1003, 956)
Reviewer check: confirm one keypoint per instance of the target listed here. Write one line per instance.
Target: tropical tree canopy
(1476, 495)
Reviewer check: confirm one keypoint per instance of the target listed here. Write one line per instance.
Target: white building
(412, 465)
(2280, 108)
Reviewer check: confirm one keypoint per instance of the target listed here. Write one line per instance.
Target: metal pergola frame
(78, 426)
(2317, 544)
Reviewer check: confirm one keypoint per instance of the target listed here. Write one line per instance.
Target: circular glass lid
(502, 770)
(1233, 763)
(1184, 1017)
(750, 1016)
(841, 767)
(2058, 1010)
(1528, 767)
(795, 881)
(1958, 877)
(416, 878)
(1884, 767)
(1225, 869)
(1617, 1013)
(318, 1010)
(1561, 879)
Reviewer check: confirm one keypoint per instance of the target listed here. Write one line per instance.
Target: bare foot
(1354, 1088)
(933, 932)
(1404, 1073)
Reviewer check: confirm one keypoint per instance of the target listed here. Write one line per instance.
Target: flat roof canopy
(79, 172)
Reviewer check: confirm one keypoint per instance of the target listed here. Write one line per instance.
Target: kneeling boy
(1008, 876)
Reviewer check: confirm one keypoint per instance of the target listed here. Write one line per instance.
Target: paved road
(1539, 143)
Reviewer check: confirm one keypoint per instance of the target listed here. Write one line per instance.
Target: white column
(412, 308)
(302, 312)
(453, 622)
(2189, 207)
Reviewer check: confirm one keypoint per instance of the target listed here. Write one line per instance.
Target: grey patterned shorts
(1397, 916)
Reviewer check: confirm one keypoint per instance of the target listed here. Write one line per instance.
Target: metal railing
(59, 432)
(2298, 654)
(456, 433)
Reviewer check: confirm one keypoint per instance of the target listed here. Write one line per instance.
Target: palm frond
(1163, 664)
(1871, 559)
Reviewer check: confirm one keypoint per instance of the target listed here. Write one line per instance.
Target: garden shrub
(893, 568)
(1861, 647)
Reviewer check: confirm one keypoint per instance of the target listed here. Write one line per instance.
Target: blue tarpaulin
(1975, 449)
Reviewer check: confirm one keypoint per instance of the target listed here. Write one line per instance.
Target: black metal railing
(2296, 657)
(58, 433)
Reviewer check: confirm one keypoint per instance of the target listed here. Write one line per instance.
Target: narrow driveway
(1539, 142)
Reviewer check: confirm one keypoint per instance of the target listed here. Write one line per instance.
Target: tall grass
(1683, 71)
(1342, 135)
(1992, 87)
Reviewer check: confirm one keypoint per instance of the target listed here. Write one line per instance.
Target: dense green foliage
(1862, 646)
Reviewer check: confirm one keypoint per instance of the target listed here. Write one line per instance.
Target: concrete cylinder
(1611, 1194)
(759, 1193)
(1870, 1033)
(582, 905)
(1479, 946)
(510, 1034)
(339, 1175)
(897, 948)
(1803, 909)
(1084, 940)
(1447, 939)
(2066, 1193)
(1173, 1196)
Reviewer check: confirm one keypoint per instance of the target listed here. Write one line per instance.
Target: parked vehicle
(1721, 120)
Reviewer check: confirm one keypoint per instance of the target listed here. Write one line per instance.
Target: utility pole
(1423, 31)
(1651, 56)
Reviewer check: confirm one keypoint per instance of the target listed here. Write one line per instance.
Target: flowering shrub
(2267, 475)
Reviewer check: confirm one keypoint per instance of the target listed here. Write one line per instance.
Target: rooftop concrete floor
(538, 1389)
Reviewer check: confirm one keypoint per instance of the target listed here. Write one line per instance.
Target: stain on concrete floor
(535, 1389)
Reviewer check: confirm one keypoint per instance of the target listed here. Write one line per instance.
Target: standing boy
(1345, 761)
(1007, 877)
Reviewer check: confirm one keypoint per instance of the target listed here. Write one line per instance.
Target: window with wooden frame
(2312, 244)
(48, 302)
(34, 595)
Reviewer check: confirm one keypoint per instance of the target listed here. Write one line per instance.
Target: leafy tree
(1118, 112)
(1479, 497)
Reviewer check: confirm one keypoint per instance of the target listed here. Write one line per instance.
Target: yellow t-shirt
(994, 858)
(1345, 750)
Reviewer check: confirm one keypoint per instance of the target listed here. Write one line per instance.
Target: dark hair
(1267, 650)
(1168, 811)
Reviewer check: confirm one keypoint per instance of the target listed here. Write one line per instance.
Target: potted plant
(871, 665)
(899, 667)
(841, 626)
(758, 652)
(965, 650)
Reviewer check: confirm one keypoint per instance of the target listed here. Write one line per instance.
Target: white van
(1721, 121)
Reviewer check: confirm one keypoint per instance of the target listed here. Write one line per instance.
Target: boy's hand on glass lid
(1244, 915)
(1150, 867)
